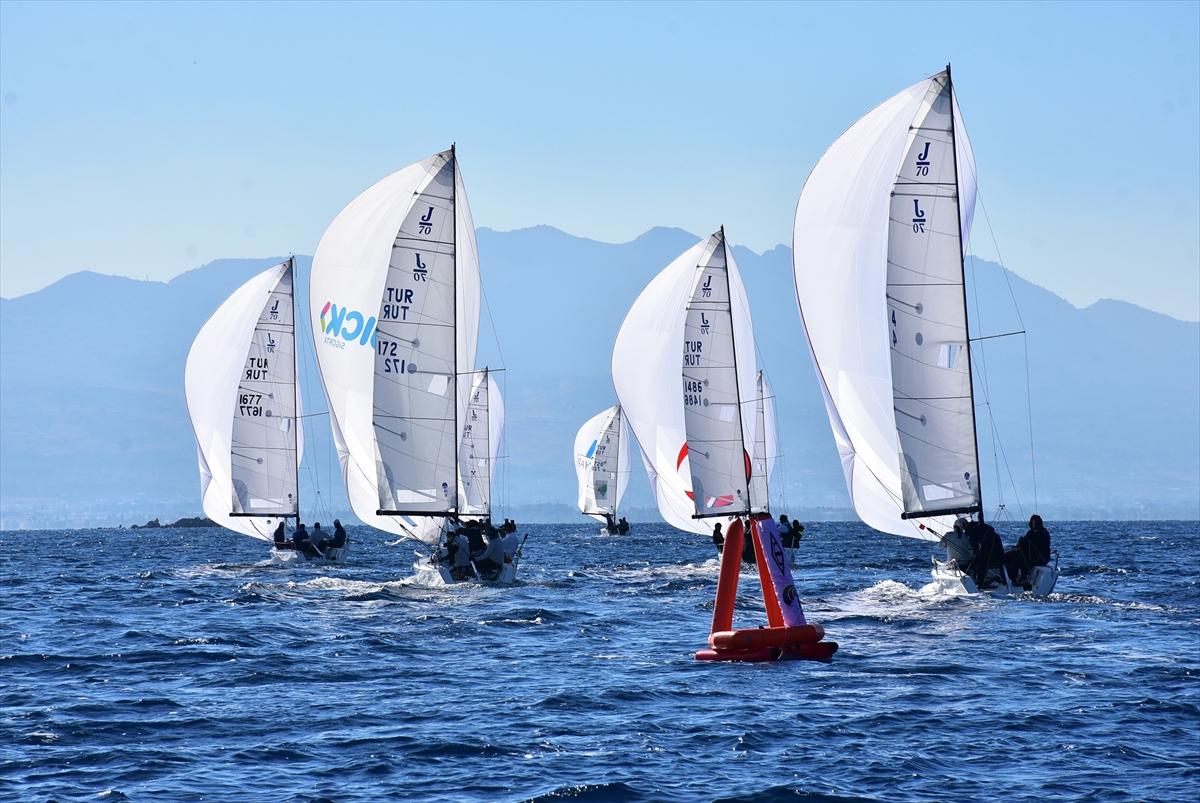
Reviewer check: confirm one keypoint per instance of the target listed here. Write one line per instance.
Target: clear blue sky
(146, 139)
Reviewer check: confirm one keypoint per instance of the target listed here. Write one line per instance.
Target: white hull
(290, 557)
(949, 580)
(430, 574)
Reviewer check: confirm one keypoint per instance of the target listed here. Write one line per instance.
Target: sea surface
(164, 665)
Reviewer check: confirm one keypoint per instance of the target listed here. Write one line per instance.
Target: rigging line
(1016, 307)
(993, 337)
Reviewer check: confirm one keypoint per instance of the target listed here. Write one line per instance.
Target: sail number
(391, 363)
(692, 400)
(250, 404)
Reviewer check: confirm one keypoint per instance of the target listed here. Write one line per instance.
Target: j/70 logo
(348, 325)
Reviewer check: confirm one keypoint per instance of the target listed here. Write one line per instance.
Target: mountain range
(94, 427)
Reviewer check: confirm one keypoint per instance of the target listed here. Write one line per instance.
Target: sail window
(948, 355)
(727, 412)
(438, 385)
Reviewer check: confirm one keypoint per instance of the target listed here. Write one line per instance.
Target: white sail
(602, 461)
(766, 447)
(395, 313)
(862, 252)
(240, 386)
(482, 431)
(477, 464)
(649, 378)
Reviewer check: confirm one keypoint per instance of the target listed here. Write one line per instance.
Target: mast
(737, 390)
(458, 502)
(295, 383)
(963, 269)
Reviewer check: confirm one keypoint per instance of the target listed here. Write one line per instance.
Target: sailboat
(684, 370)
(245, 408)
(878, 248)
(602, 448)
(395, 296)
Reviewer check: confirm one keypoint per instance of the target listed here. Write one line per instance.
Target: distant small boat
(245, 407)
(395, 296)
(878, 263)
(602, 449)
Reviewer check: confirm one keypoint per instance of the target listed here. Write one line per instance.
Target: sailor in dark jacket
(1032, 549)
(989, 554)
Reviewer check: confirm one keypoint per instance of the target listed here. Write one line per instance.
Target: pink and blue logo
(348, 325)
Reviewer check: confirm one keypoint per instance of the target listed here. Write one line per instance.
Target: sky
(148, 139)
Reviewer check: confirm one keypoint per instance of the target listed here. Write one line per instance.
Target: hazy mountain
(93, 425)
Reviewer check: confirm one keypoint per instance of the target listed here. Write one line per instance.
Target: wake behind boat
(878, 261)
(395, 310)
(245, 407)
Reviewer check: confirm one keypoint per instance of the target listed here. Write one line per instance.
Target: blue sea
(164, 665)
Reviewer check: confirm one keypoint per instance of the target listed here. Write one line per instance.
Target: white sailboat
(602, 449)
(245, 408)
(878, 249)
(684, 371)
(395, 296)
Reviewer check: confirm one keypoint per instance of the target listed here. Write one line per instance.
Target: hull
(953, 582)
(427, 573)
(290, 557)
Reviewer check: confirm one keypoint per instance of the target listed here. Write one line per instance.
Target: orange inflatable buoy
(756, 637)
(738, 655)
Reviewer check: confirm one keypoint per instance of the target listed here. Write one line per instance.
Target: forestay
(602, 461)
(877, 253)
(647, 371)
(240, 386)
(395, 312)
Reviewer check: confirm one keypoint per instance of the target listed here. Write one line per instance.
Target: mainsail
(684, 370)
(602, 461)
(878, 264)
(395, 310)
(240, 386)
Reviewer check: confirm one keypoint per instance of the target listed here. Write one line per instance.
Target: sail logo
(425, 224)
(704, 324)
(923, 162)
(275, 311)
(706, 288)
(342, 326)
(420, 271)
(270, 344)
(918, 217)
(592, 449)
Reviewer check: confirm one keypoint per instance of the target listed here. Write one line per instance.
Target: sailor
(718, 538)
(610, 524)
(511, 543)
(300, 538)
(339, 535)
(790, 534)
(748, 556)
(475, 538)
(460, 556)
(492, 559)
(317, 541)
(281, 536)
(1032, 549)
(989, 554)
(958, 548)
(622, 526)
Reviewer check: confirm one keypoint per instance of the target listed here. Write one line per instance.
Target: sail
(857, 260)
(766, 446)
(479, 449)
(477, 462)
(395, 313)
(717, 452)
(240, 386)
(602, 461)
(648, 376)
